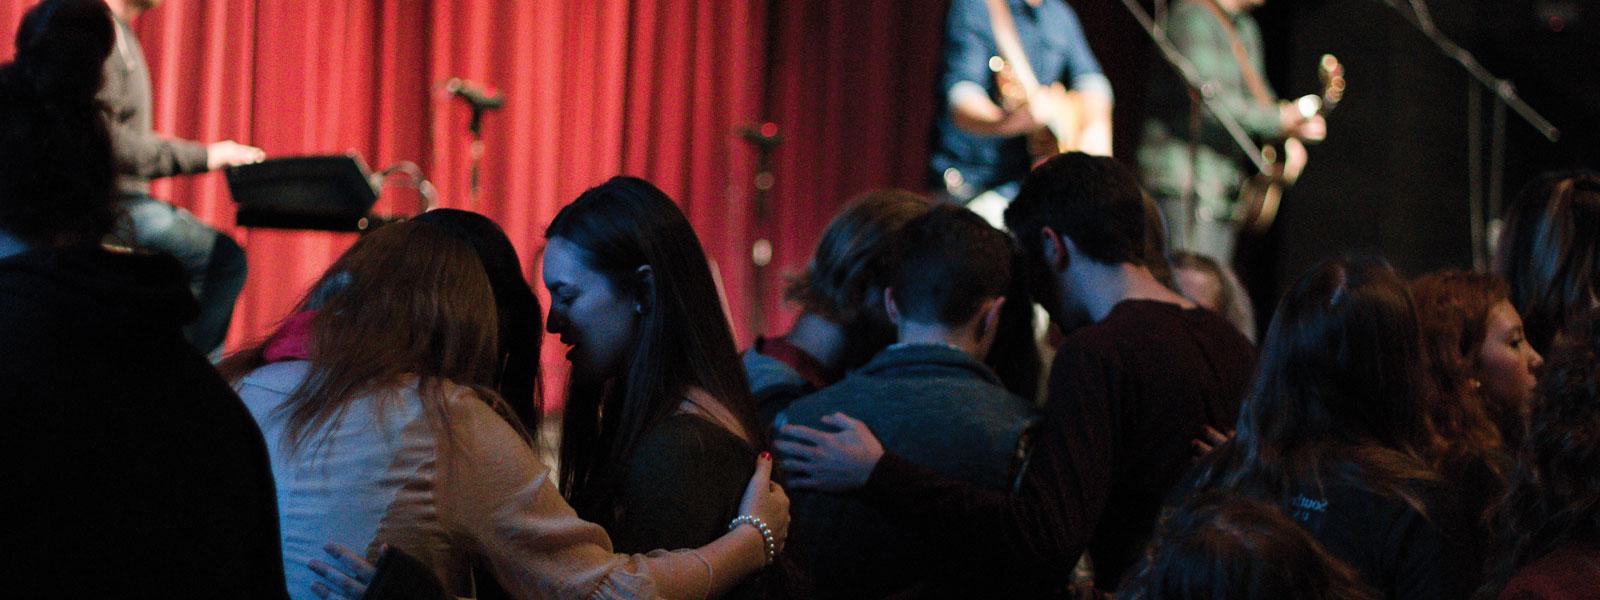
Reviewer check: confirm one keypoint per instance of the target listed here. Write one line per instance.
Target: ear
(645, 286)
(989, 323)
(1057, 249)
(889, 307)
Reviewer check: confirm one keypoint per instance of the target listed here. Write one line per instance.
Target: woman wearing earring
(660, 431)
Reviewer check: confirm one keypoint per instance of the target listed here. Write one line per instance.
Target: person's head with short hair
(1077, 207)
(1201, 279)
(843, 281)
(57, 183)
(1553, 495)
(1221, 546)
(951, 273)
(1549, 252)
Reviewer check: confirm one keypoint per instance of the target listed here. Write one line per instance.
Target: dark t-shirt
(1127, 395)
(1397, 550)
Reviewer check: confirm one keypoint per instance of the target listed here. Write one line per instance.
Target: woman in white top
(383, 429)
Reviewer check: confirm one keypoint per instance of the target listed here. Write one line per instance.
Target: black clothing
(131, 469)
(938, 407)
(1127, 395)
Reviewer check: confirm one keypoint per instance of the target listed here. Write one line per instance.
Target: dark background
(1393, 176)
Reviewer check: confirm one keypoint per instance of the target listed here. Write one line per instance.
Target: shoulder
(767, 372)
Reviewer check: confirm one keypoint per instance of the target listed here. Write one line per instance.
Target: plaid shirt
(1164, 151)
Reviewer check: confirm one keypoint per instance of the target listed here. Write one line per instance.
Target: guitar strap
(1252, 77)
(1009, 42)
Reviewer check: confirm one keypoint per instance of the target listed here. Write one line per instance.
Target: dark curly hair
(56, 177)
(1553, 499)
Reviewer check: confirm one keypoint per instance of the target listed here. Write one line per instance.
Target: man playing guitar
(1003, 60)
(1223, 42)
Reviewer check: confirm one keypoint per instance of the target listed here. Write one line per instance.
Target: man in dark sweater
(214, 263)
(929, 396)
(1142, 376)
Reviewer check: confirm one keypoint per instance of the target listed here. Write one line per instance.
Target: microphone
(476, 97)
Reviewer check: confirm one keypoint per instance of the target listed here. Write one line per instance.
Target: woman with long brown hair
(1332, 430)
(660, 430)
(384, 429)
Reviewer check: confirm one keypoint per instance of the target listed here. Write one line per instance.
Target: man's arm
(144, 153)
(1043, 529)
(968, 44)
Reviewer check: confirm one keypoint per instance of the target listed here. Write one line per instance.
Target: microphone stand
(1205, 91)
(1505, 94)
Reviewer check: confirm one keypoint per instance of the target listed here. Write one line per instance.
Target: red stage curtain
(853, 91)
(649, 88)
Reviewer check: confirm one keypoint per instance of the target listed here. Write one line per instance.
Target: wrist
(769, 543)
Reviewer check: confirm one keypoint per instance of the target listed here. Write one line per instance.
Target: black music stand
(326, 193)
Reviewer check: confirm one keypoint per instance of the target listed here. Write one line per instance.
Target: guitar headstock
(1331, 73)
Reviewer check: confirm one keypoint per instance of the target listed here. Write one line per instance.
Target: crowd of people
(1434, 437)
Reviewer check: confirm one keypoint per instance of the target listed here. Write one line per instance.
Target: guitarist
(981, 149)
(1223, 42)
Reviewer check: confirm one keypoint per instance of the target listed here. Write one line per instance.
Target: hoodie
(130, 468)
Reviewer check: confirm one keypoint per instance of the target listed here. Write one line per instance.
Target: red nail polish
(766, 456)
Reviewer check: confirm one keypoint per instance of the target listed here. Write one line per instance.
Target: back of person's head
(414, 301)
(1553, 496)
(1549, 252)
(1201, 279)
(1453, 308)
(1336, 391)
(56, 174)
(1221, 546)
(840, 279)
(682, 339)
(517, 308)
(948, 262)
(1093, 201)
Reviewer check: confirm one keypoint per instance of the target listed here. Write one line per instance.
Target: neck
(933, 334)
(824, 340)
(1106, 286)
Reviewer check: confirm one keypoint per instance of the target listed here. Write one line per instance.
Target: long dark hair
(57, 181)
(413, 302)
(1335, 398)
(1553, 498)
(1550, 252)
(516, 306)
(682, 341)
(1221, 546)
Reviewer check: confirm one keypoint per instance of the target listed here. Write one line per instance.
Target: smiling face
(589, 312)
(1506, 364)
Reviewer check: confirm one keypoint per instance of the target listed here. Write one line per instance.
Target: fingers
(349, 562)
(844, 422)
(342, 583)
(796, 452)
(321, 591)
(801, 432)
(762, 479)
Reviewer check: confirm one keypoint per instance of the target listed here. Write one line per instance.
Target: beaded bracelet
(767, 541)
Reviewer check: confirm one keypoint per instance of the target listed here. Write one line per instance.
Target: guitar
(1019, 86)
(1262, 194)
(1062, 132)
